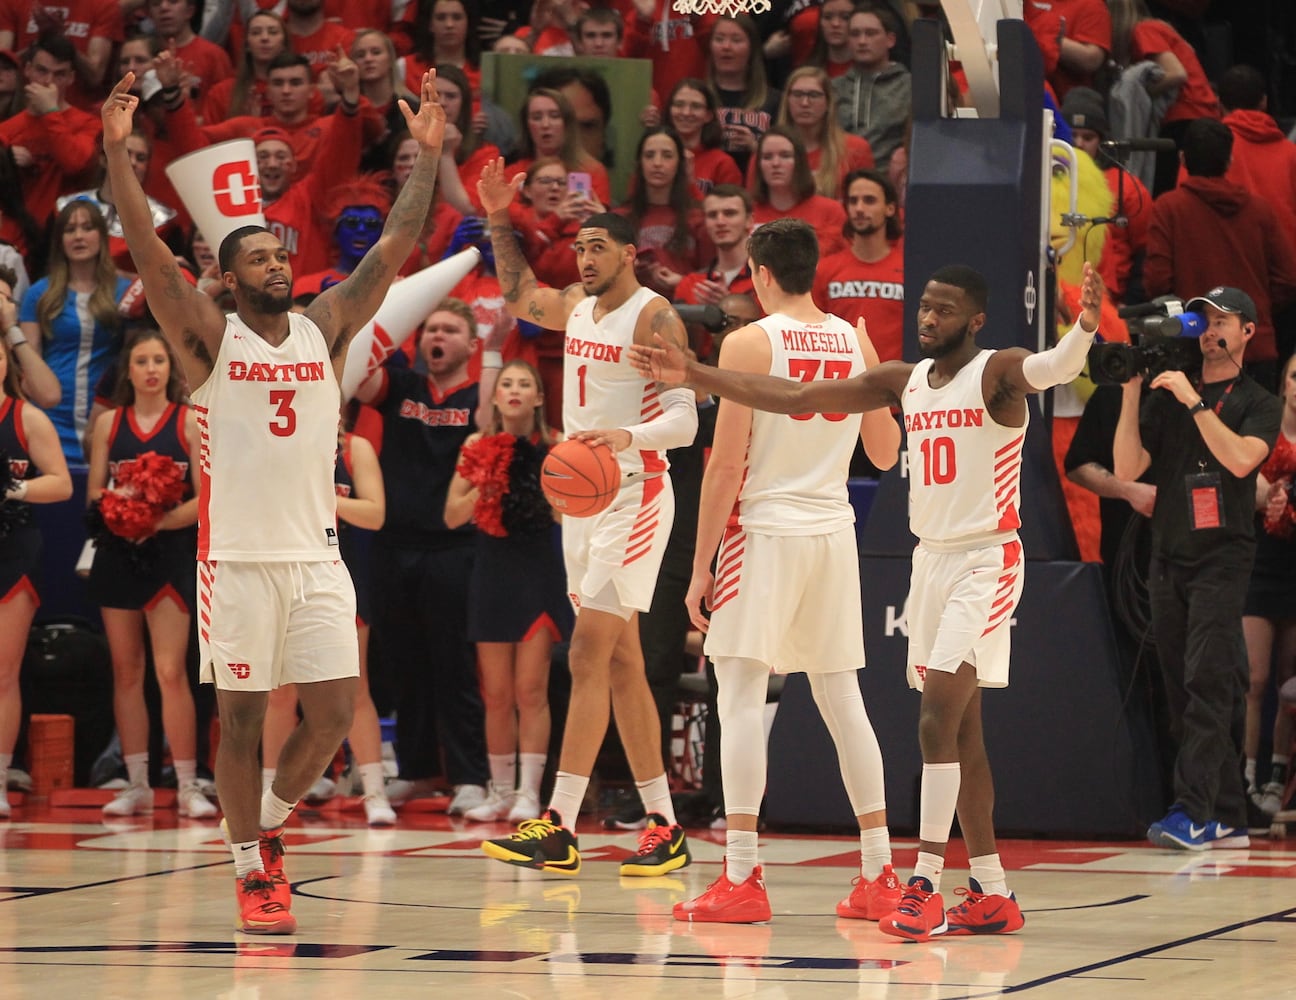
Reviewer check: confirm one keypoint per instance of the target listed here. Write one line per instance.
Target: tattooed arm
(346, 307)
(190, 320)
(524, 297)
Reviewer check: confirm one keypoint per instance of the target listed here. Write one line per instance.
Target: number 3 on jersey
(285, 422)
(805, 370)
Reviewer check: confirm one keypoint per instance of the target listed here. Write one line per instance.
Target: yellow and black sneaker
(662, 848)
(543, 844)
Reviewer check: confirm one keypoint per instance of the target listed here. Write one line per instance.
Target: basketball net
(721, 6)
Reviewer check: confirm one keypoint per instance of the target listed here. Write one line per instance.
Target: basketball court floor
(143, 907)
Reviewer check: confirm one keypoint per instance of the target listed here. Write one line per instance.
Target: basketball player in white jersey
(965, 412)
(276, 605)
(612, 558)
(786, 592)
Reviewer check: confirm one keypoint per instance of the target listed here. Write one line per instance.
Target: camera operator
(1202, 441)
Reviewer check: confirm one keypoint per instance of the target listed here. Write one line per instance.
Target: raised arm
(1021, 372)
(190, 320)
(523, 295)
(343, 309)
(876, 388)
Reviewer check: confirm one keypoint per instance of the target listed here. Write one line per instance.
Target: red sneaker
(726, 903)
(259, 911)
(272, 855)
(920, 914)
(872, 900)
(980, 913)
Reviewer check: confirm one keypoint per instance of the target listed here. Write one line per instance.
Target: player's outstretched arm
(873, 390)
(190, 320)
(879, 432)
(346, 307)
(1026, 373)
(523, 295)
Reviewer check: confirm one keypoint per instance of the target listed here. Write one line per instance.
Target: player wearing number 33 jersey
(273, 410)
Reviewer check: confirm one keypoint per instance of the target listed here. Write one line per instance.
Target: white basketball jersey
(964, 469)
(269, 419)
(601, 390)
(797, 464)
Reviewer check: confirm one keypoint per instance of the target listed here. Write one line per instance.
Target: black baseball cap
(1229, 300)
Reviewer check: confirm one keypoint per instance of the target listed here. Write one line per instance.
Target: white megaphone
(220, 188)
(406, 306)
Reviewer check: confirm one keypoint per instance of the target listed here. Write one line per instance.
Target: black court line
(30, 892)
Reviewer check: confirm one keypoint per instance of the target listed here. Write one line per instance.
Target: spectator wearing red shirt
(245, 92)
(434, 241)
(445, 34)
(1209, 232)
(1074, 36)
(206, 63)
(1138, 37)
(312, 35)
(726, 211)
(549, 128)
(1264, 159)
(692, 110)
(833, 50)
(463, 154)
(867, 278)
(54, 145)
(785, 187)
(833, 152)
(599, 32)
(671, 235)
(676, 43)
(94, 27)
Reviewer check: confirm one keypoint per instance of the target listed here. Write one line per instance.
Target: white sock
(267, 778)
(875, 851)
(656, 797)
(530, 772)
(1250, 771)
(930, 866)
(503, 770)
(371, 778)
(186, 773)
(989, 873)
(137, 769)
(247, 858)
(568, 794)
(274, 810)
(740, 855)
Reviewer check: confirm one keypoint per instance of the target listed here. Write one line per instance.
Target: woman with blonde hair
(807, 110)
(516, 604)
(383, 84)
(70, 317)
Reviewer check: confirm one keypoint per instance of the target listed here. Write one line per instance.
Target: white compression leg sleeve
(841, 705)
(741, 702)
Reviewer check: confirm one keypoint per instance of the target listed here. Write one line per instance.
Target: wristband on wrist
(492, 359)
(15, 337)
(1198, 407)
(18, 491)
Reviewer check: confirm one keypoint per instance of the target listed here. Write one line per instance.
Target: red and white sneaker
(920, 914)
(726, 903)
(272, 855)
(259, 911)
(980, 913)
(872, 900)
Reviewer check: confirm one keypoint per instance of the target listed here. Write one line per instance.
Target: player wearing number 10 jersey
(965, 411)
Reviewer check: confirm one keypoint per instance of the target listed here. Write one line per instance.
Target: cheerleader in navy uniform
(517, 606)
(144, 567)
(32, 470)
(361, 503)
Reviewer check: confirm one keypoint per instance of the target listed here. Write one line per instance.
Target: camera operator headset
(1202, 441)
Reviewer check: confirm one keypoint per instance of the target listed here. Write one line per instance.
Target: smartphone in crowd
(581, 182)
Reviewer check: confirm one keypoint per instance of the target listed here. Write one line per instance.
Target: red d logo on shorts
(241, 671)
(236, 190)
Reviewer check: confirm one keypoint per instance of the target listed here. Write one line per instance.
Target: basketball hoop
(729, 7)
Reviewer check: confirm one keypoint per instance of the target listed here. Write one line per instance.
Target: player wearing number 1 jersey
(785, 595)
(275, 603)
(965, 411)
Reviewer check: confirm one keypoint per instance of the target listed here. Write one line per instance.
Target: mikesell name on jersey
(935, 420)
(258, 371)
(816, 342)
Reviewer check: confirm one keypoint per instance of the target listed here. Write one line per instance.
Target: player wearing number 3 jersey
(965, 412)
(275, 603)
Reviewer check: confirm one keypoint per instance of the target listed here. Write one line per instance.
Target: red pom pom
(485, 464)
(143, 490)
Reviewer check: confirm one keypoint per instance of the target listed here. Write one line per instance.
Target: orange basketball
(580, 480)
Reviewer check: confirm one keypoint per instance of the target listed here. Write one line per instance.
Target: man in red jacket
(1209, 231)
(1264, 159)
